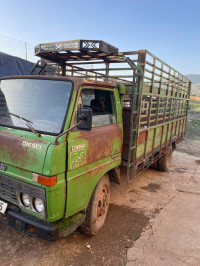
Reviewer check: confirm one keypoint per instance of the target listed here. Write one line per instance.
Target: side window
(102, 104)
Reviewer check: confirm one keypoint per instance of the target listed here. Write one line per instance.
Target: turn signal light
(45, 180)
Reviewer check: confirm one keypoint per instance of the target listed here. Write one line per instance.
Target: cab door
(92, 153)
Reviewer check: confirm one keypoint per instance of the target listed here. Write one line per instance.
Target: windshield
(43, 102)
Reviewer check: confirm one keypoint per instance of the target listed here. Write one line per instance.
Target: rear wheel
(165, 161)
(154, 165)
(97, 208)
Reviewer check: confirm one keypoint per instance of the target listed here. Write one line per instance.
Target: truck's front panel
(32, 168)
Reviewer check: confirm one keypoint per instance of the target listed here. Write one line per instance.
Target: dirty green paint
(55, 162)
(82, 181)
(15, 154)
(56, 198)
(66, 226)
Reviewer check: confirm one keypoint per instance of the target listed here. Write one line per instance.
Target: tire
(154, 165)
(165, 161)
(97, 208)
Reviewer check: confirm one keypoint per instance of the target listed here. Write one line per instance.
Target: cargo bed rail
(155, 103)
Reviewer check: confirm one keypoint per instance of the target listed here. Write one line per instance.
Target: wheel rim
(102, 203)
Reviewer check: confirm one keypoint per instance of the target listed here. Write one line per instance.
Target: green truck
(85, 111)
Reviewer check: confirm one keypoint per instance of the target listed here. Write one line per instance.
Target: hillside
(196, 90)
(195, 84)
(195, 78)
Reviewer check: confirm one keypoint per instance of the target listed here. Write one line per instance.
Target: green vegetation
(196, 122)
(193, 129)
(189, 127)
(194, 106)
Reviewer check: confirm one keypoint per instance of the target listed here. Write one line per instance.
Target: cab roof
(78, 82)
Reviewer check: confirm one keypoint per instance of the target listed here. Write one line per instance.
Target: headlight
(39, 205)
(25, 200)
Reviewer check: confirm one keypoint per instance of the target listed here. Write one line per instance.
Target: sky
(169, 29)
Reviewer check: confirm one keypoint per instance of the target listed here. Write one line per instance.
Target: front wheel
(97, 208)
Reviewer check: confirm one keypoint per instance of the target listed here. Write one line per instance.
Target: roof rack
(77, 50)
(97, 60)
(77, 58)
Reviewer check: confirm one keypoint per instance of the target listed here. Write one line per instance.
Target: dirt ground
(132, 206)
(172, 236)
(192, 133)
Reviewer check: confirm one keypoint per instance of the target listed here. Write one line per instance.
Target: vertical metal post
(43, 63)
(107, 70)
(63, 70)
(26, 53)
(134, 118)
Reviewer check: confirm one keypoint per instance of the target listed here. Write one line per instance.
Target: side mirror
(85, 115)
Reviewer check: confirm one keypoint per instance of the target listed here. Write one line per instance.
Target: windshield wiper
(28, 123)
(21, 117)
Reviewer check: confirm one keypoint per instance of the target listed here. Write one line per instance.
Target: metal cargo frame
(155, 104)
(164, 103)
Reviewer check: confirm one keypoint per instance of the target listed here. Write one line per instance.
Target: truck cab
(55, 180)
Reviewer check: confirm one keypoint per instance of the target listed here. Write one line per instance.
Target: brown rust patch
(159, 131)
(101, 141)
(11, 149)
(142, 137)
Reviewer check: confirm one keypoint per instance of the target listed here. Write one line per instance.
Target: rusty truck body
(66, 131)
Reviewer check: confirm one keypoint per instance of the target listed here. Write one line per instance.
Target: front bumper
(29, 225)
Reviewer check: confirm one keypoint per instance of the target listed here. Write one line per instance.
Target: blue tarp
(11, 65)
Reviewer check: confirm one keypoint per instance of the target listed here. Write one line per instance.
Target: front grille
(7, 188)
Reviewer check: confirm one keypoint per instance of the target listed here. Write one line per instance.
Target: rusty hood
(22, 150)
